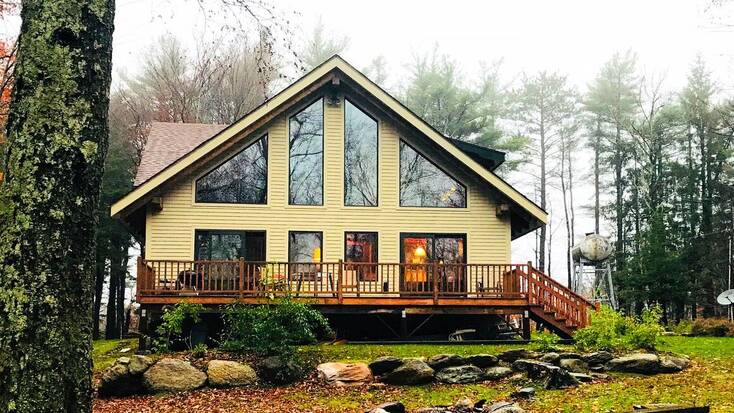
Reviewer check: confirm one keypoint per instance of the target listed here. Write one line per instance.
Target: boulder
(554, 376)
(643, 363)
(464, 405)
(412, 371)
(583, 378)
(460, 374)
(597, 357)
(524, 393)
(569, 355)
(599, 376)
(503, 407)
(551, 358)
(482, 360)
(277, 370)
(520, 353)
(383, 365)
(173, 375)
(559, 378)
(673, 364)
(344, 373)
(574, 365)
(125, 377)
(497, 373)
(225, 373)
(442, 361)
(389, 407)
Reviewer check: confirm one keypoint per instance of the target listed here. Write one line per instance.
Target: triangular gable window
(423, 184)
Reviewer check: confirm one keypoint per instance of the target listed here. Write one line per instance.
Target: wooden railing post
(242, 276)
(435, 283)
(530, 282)
(339, 291)
(142, 277)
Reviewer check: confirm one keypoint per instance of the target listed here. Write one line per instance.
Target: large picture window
(229, 245)
(423, 184)
(306, 156)
(242, 179)
(305, 248)
(360, 157)
(361, 248)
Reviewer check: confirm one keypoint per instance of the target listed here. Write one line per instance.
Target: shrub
(171, 329)
(546, 342)
(683, 327)
(714, 327)
(612, 331)
(272, 329)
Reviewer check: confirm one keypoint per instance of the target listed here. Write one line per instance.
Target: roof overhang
(481, 163)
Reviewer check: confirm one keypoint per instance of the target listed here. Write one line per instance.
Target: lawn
(105, 352)
(709, 381)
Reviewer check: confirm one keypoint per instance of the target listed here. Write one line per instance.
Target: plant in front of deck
(545, 342)
(273, 329)
(171, 330)
(613, 331)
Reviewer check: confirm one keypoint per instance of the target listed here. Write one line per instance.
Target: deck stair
(555, 306)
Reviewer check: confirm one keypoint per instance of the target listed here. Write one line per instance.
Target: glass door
(421, 251)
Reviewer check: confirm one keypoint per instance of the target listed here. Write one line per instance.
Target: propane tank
(593, 247)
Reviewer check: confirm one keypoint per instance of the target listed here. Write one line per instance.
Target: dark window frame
(210, 170)
(323, 150)
(377, 156)
(450, 175)
(307, 276)
(361, 276)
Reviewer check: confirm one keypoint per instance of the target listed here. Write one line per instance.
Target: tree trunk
(99, 277)
(543, 229)
(121, 284)
(597, 173)
(57, 134)
(111, 330)
(619, 204)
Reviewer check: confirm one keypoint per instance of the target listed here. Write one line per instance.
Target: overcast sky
(573, 37)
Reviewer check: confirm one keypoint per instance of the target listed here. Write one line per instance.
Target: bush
(612, 331)
(170, 332)
(272, 329)
(546, 342)
(713, 327)
(683, 327)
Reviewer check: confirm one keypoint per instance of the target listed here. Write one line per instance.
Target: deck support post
(403, 324)
(526, 325)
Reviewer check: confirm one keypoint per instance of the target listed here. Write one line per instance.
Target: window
(447, 250)
(423, 184)
(306, 156)
(230, 245)
(305, 247)
(243, 179)
(361, 247)
(360, 157)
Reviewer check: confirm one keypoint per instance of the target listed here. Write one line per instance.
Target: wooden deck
(472, 287)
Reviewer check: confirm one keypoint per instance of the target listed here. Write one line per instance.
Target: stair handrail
(559, 298)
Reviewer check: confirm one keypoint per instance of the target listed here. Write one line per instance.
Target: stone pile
(462, 406)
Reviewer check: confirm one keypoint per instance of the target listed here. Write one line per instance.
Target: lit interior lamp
(420, 252)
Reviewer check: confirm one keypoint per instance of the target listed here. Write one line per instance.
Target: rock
(138, 364)
(276, 370)
(383, 365)
(643, 363)
(225, 373)
(599, 376)
(432, 410)
(442, 361)
(583, 378)
(520, 353)
(464, 405)
(482, 360)
(597, 357)
(551, 358)
(673, 364)
(344, 373)
(460, 374)
(389, 407)
(497, 373)
(503, 407)
(412, 371)
(172, 375)
(569, 355)
(524, 393)
(125, 350)
(598, 368)
(574, 365)
(554, 376)
(125, 377)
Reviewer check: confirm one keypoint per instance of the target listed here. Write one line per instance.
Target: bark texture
(57, 130)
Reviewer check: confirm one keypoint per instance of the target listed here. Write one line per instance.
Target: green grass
(105, 352)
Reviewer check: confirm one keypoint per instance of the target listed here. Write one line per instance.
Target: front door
(419, 253)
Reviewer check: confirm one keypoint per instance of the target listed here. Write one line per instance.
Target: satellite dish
(726, 298)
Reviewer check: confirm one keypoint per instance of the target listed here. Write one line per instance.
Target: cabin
(335, 193)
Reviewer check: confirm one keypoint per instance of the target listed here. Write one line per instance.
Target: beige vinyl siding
(170, 232)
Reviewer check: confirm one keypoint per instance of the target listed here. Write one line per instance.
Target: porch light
(420, 252)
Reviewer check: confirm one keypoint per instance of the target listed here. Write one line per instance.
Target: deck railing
(340, 280)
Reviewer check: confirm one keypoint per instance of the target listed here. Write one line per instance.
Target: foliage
(682, 327)
(272, 329)
(714, 327)
(174, 320)
(199, 350)
(545, 342)
(105, 352)
(320, 46)
(613, 331)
